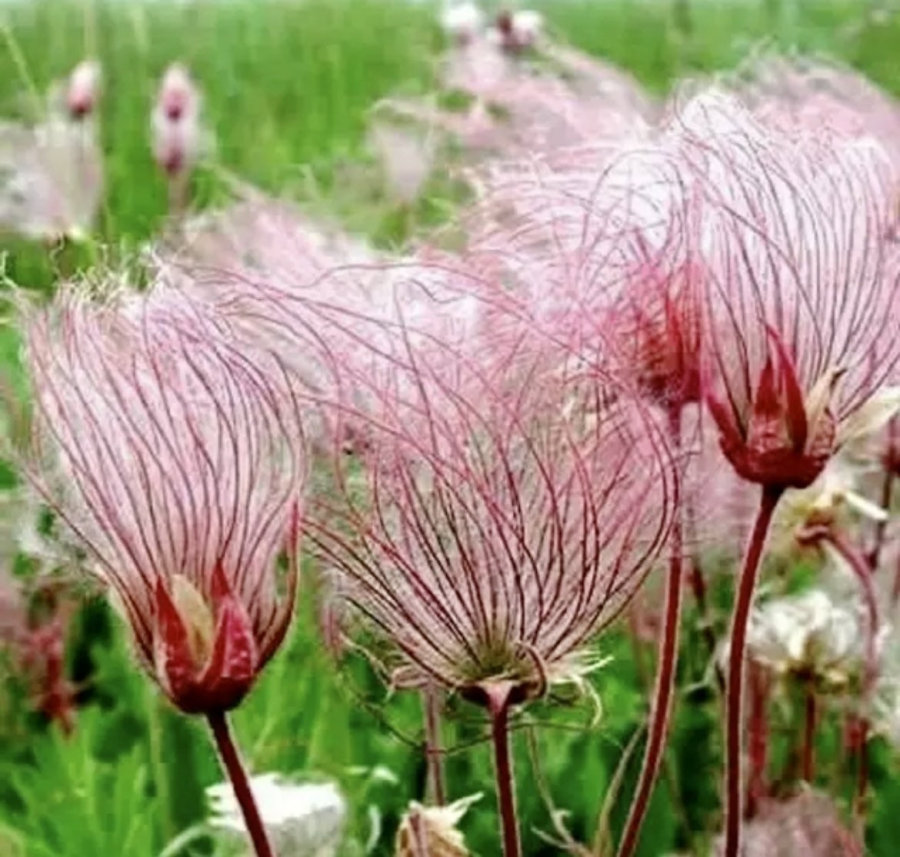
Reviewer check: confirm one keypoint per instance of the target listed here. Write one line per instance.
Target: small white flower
(302, 819)
(433, 830)
(807, 635)
(528, 26)
(832, 496)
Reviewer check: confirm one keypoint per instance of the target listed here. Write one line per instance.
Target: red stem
(862, 774)
(431, 703)
(234, 767)
(810, 716)
(863, 573)
(887, 488)
(661, 708)
(498, 708)
(735, 690)
(758, 738)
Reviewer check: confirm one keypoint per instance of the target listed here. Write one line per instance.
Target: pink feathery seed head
(177, 460)
(499, 520)
(83, 90)
(806, 823)
(175, 121)
(598, 245)
(816, 93)
(800, 284)
(665, 348)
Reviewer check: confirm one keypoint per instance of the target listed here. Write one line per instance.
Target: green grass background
(287, 86)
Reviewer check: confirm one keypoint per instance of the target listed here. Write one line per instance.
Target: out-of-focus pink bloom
(52, 178)
(284, 281)
(462, 21)
(176, 459)
(519, 30)
(258, 238)
(520, 109)
(800, 284)
(499, 521)
(596, 240)
(816, 93)
(36, 641)
(808, 823)
(83, 90)
(175, 122)
(405, 148)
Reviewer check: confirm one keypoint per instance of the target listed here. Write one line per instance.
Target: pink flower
(807, 823)
(800, 284)
(176, 459)
(83, 90)
(177, 135)
(499, 520)
(809, 93)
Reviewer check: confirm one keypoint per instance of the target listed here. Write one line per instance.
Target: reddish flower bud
(83, 89)
(177, 135)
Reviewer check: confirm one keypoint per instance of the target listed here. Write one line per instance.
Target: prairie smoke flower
(797, 295)
(301, 818)
(496, 527)
(501, 519)
(35, 640)
(519, 111)
(175, 459)
(83, 89)
(800, 284)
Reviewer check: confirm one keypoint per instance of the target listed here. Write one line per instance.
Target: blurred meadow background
(288, 88)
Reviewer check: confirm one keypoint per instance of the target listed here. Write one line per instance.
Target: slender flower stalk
(863, 573)
(758, 742)
(234, 768)
(734, 777)
(499, 697)
(665, 680)
(810, 723)
(431, 704)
